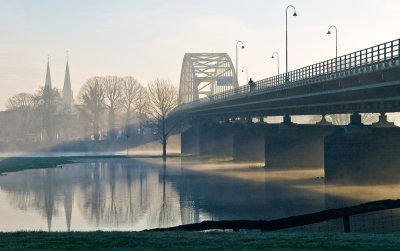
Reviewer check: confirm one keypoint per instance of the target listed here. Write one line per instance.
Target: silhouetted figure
(252, 85)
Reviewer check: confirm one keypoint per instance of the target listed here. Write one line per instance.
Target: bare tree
(339, 119)
(130, 91)
(369, 118)
(113, 95)
(92, 97)
(22, 124)
(344, 119)
(47, 101)
(163, 97)
(142, 105)
(21, 101)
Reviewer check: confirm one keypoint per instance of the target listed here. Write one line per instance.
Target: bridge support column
(323, 121)
(190, 141)
(383, 122)
(297, 147)
(371, 155)
(216, 140)
(249, 141)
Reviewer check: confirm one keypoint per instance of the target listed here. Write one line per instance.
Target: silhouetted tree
(48, 102)
(92, 97)
(112, 86)
(21, 102)
(142, 106)
(163, 97)
(130, 91)
(22, 105)
(344, 119)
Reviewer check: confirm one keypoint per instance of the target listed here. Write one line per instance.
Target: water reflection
(111, 194)
(123, 194)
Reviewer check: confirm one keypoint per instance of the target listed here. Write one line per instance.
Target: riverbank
(16, 164)
(196, 241)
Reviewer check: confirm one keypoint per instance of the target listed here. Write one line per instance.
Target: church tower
(48, 77)
(67, 92)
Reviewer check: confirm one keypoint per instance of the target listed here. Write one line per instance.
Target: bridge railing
(378, 57)
(386, 53)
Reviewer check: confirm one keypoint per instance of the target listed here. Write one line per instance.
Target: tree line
(106, 107)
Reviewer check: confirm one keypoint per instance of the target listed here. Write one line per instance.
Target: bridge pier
(216, 139)
(383, 121)
(285, 145)
(190, 141)
(323, 121)
(297, 146)
(365, 155)
(249, 141)
(211, 138)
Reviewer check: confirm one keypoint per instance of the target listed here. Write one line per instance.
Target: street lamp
(247, 73)
(329, 32)
(237, 73)
(277, 58)
(295, 15)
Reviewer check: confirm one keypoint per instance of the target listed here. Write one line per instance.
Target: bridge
(365, 81)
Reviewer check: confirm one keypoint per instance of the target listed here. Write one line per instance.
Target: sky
(148, 39)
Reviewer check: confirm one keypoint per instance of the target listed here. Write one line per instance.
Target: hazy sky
(148, 39)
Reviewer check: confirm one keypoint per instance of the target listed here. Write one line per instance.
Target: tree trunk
(164, 148)
(164, 139)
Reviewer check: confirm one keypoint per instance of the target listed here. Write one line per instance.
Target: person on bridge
(252, 85)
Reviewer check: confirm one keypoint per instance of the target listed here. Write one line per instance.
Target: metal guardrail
(382, 56)
(293, 221)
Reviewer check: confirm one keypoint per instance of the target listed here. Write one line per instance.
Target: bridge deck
(364, 77)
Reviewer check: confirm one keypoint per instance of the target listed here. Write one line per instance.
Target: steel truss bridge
(367, 80)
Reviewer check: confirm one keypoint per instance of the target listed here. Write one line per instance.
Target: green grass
(195, 241)
(15, 164)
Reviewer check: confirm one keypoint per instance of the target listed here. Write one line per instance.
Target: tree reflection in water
(131, 194)
(109, 194)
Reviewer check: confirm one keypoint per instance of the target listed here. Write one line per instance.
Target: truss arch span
(205, 74)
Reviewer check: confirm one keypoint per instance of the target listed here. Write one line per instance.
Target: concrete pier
(249, 141)
(216, 139)
(297, 146)
(368, 155)
(190, 141)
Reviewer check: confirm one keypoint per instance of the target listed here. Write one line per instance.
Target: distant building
(67, 92)
(48, 77)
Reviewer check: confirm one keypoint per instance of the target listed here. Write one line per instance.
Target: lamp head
(242, 47)
(242, 70)
(295, 14)
(329, 32)
(272, 56)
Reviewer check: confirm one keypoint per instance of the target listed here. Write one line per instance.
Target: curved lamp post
(329, 32)
(295, 15)
(277, 58)
(237, 73)
(247, 73)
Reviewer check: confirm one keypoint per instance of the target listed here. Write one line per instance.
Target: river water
(136, 194)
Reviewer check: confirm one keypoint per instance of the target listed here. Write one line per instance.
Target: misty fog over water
(137, 194)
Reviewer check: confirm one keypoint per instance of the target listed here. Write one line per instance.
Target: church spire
(67, 92)
(48, 77)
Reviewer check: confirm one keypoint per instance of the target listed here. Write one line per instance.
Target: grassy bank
(15, 164)
(196, 241)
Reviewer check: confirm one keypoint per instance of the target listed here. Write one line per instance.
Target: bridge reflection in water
(121, 194)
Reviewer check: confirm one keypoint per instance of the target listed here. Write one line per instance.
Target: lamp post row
(276, 53)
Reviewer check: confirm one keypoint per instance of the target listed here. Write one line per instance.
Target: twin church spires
(67, 91)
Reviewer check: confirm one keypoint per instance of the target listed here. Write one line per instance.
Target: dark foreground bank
(196, 241)
(16, 164)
